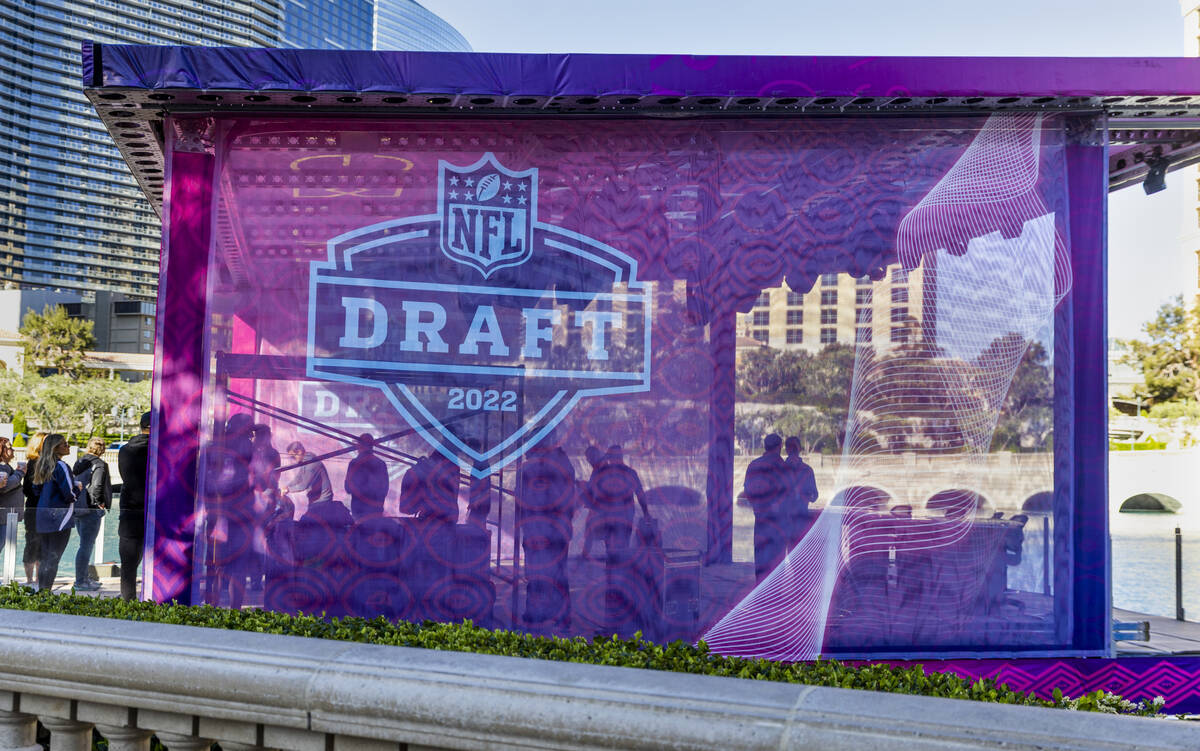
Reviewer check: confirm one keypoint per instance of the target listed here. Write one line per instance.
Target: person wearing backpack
(93, 503)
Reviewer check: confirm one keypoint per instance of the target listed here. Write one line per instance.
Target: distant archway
(958, 503)
(862, 498)
(1159, 503)
(1042, 502)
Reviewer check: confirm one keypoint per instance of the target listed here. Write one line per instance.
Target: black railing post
(1178, 575)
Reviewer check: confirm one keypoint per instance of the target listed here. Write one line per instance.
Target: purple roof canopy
(1149, 101)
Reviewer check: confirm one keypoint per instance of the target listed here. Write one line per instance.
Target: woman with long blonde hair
(33, 547)
(56, 506)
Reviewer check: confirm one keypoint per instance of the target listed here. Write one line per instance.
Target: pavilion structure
(454, 335)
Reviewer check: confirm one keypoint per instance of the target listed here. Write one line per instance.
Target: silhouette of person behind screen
(613, 487)
(232, 520)
(545, 505)
(767, 489)
(804, 491)
(366, 480)
(479, 492)
(592, 532)
(311, 478)
(264, 478)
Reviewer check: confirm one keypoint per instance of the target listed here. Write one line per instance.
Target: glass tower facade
(328, 24)
(407, 25)
(71, 215)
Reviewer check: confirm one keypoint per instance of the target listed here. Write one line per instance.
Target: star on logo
(454, 180)
(508, 184)
(520, 200)
(467, 196)
(453, 194)
(507, 198)
(470, 181)
(522, 187)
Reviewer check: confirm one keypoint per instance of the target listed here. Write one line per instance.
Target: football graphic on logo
(489, 186)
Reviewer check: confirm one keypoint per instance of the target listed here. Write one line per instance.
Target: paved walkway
(1167, 635)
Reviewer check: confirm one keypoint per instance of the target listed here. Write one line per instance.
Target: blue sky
(1147, 263)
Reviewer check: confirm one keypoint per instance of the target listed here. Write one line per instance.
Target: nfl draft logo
(486, 214)
(483, 326)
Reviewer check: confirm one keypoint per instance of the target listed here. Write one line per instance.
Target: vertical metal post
(98, 554)
(1045, 555)
(10, 547)
(1178, 575)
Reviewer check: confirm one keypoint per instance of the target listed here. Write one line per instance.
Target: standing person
(264, 479)
(312, 479)
(98, 496)
(366, 480)
(767, 490)
(592, 531)
(613, 487)
(804, 491)
(131, 528)
(56, 506)
(231, 522)
(264, 460)
(33, 546)
(545, 505)
(11, 480)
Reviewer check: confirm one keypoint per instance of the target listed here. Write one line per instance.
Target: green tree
(52, 402)
(1026, 418)
(818, 430)
(11, 391)
(55, 341)
(1169, 357)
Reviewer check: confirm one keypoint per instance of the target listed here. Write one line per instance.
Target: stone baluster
(69, 735)
(181, 742)
(126, 738)
(18, 732)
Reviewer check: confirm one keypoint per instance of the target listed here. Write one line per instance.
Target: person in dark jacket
(10, 488)
(366, 480)
(131, 527)
(56, 506)
(94, 502)
(33, 547)
(767, 489)
(11, 481)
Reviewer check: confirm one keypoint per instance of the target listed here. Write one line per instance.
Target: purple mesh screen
(530, 372)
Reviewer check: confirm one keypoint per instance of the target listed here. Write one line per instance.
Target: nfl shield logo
(488, 213)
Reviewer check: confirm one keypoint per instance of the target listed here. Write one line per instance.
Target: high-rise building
(71, 215)
(407, 25)
(328, 24)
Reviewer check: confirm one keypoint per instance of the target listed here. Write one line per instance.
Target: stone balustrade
(192, 686)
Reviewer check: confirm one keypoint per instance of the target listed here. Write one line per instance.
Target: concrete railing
(193, 686)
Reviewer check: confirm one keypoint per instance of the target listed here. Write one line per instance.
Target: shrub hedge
(635, 653)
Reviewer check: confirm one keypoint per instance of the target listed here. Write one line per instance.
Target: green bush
(634, 653)
(20, 424)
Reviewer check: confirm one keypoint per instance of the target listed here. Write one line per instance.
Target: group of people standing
(51, 497)
(780, 492)
(253, 491)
